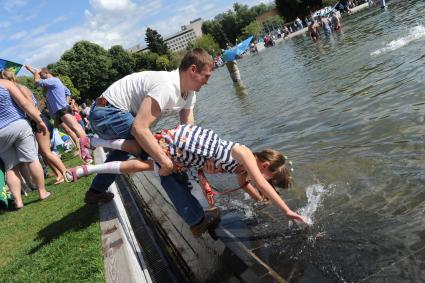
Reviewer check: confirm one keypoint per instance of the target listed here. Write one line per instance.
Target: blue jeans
(112, 123)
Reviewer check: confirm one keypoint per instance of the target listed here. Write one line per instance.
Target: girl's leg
(73, 136)
(14, 184)
(113, 167)
(52, 159)
(73, 125)
(130, 146)
(38, 177)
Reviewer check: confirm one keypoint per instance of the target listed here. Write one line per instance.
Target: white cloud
(14, 4)
(113, 6)
(18, 35)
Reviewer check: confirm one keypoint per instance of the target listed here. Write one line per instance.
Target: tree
(145, 61)
(214, 28)
(75, 93)
(37, 91)
(229, 26)
(123, 62)
(87, 65)
(155, 42)
(273, 23)
(254, 29)
(162, 63)
(290, 9)
(206, 42)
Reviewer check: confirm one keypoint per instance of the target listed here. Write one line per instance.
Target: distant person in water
(313, 30)
(191, 146)
(336, 25)
(326, 25)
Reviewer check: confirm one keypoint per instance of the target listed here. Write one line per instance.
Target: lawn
(56, 240)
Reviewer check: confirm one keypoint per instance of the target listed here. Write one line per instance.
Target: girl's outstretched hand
(295, 216)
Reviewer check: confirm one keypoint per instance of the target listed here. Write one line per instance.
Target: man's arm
(25, 104)
(187, 117)
(34, 72)
(148, 112)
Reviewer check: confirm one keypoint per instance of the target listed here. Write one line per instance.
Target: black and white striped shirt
(192, 146)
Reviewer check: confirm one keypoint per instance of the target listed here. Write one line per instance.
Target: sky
(38, 32)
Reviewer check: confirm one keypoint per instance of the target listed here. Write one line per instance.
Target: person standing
(58, 106)
(43, 140)
(17, 139)
(128, 108)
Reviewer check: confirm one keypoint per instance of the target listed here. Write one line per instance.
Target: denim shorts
(111, 123)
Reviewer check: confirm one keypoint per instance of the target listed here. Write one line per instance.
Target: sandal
(71, 174)
(84, 150)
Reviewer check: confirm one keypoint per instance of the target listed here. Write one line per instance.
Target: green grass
(56, 240)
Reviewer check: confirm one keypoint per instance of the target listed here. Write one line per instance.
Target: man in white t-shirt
(128, 108)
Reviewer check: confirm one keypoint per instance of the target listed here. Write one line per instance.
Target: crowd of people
(26, 132)
(121, 119)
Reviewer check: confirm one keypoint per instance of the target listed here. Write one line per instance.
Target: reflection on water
(350, 113)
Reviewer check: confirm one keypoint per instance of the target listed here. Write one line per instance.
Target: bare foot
(45, 196)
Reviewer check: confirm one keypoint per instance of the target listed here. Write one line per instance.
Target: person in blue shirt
(59, 108)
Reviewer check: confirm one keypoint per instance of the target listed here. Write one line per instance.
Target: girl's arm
(245, 156)
(249, 189)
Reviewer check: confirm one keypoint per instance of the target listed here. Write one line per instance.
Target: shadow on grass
(76, 221)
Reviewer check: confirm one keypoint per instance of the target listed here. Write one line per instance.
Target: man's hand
(209, 167)
(166, 169)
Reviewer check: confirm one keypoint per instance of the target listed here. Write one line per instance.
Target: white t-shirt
(128, 93)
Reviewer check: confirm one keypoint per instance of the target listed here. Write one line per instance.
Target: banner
(9, 65)
(230, 54)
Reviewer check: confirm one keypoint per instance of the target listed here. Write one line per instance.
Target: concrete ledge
(122, 257)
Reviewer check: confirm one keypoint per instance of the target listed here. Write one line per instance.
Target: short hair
(45, 70)
(8, 75)
(198, 57)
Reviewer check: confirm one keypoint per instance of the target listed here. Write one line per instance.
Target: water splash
(314, 197)
(415, 33)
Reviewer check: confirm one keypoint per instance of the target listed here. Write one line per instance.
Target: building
(179, 40)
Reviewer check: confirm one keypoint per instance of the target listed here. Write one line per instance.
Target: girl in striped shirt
(191, 147)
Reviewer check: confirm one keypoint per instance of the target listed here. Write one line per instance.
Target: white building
(179, 40)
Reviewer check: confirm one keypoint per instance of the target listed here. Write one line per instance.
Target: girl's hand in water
(295, 216)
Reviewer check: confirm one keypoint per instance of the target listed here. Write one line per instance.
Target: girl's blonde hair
(278, 167)
(8, 75)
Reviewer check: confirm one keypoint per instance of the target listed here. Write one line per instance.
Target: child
(191, 146)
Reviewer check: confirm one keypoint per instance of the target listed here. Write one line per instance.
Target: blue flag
(230, 54)
(9, 65)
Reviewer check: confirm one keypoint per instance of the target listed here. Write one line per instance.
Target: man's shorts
(17, 144)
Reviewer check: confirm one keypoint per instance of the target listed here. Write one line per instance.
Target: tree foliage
(30, 83)
(254, 29)
(155, 42)
(88, 66)
(215, 29)
(227, 27)
(206, 42)
(123, 63)
(75, 93)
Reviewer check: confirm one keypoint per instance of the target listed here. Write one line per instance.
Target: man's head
(197, 66)
(45, 73)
